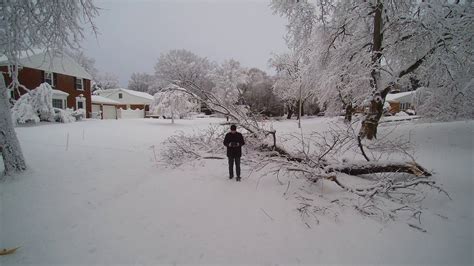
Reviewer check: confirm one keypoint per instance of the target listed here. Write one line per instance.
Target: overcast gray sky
(134, 33)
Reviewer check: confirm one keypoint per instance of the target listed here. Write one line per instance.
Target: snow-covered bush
(35, 106)
(22, 111)
(64, 116)
(173, 102)
(42, 102)
(410, 112)
(79, 114)
(401, 113)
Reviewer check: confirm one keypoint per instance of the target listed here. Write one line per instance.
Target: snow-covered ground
(102, 198)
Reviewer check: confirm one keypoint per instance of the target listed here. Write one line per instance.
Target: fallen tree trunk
(379, 167)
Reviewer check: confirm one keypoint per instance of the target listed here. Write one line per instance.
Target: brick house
(70, 81)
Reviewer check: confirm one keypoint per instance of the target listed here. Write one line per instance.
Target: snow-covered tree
(289, 86)
(198, 76)
(359, 50)
(228, 78)
(54, 25)
(184, 69)
(106, 81)
(141, 82)
(174, 102)
(258, 94)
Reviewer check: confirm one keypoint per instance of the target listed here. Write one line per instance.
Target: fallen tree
(316, 158)
(379, 167)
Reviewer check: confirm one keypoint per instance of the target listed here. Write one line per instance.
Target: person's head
(233, 128)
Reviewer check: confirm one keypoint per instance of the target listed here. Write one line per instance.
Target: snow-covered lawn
(101, 198)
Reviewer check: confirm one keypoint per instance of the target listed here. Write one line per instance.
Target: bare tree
(210, 83)
(359, 50)
(50, 25)
(141, 82)
(107, 81)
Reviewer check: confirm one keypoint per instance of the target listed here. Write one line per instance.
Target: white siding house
(126, 97)
(133, 104)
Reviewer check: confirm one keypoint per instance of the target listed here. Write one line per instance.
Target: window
(80, 105)
(49, 78)
(79, 84)
(120, 96)
(58, 103)
(404, 106)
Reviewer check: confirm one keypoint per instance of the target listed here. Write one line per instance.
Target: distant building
(129, 98)
(129, 103)
(401, 101)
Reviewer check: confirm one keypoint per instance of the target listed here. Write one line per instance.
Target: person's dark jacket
(234, 143)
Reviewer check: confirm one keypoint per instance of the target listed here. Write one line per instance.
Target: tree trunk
(10, 148)
(371, 120)
(172, 113)
(348, 114)
(290, 111)
(378, 167)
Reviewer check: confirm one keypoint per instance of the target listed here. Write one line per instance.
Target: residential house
(130, 98)
(401, 101)
(70, 81)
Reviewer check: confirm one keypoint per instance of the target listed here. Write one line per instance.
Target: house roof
(131, 92)
(58, 92)
(138, 94)
(51, 62)
(103, 100)
(401, 96)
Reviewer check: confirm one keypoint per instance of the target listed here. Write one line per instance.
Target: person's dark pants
(231, 166)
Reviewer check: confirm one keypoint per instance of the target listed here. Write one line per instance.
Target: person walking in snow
(234, 142)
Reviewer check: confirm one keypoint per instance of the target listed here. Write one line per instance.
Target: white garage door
(95, 108)
(109, 112)
(95, 111)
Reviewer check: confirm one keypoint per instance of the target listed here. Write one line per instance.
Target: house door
(80, 103)
(109, 112)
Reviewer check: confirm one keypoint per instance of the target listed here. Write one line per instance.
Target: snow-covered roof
(131, 92)
(58, 92)
(51, 62)
(138, 94)
(401, 96)
(103, 100)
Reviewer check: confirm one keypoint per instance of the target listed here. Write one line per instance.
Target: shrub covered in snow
(37, 105)
(64, 116)
(410, 112)
(79, 114)
(401, 113)
(23, 111)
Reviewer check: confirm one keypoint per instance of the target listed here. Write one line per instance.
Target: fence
(130, 114)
